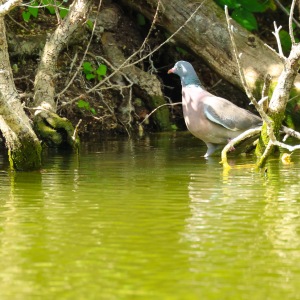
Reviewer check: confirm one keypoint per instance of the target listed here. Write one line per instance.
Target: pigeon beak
(171, 71)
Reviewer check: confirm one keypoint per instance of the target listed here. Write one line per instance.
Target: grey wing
(221, 116)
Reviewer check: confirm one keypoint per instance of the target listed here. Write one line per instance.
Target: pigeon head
(186, 73)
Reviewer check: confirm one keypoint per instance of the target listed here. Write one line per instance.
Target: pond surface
(150, 219)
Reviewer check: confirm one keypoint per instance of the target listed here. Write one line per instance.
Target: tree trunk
(279, 100)
(206, 35)
(47, 123)
(23, 146)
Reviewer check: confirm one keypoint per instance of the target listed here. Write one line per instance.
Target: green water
(149, 219)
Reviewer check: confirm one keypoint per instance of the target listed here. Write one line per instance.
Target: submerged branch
(245, 135)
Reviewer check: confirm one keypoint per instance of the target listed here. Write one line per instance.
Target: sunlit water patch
(149, 219)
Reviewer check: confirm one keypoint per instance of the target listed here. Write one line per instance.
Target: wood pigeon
(212, 119)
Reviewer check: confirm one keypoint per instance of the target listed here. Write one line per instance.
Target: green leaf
(174, 127)
(141, 19)
(49, 6)
(26, 15)
(87, 67)
(102, 70)
(245, 18)
(33, 10)
(90, 76)
(255, 5)
(63, 12)
(285, 40)
(231, 4)
(51, 9)
(83, 104)
(90, 24)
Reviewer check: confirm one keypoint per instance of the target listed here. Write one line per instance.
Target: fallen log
(207, 36)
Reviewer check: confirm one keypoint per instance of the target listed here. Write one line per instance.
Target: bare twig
(285, 146)
(83, 58)
(262, 113)
(154, 110)
(169, 38)
(268, 121)
(287, 12)
(18, 23)
(241, 73)
(291, 30)
(276, 34)
(126, 63)
(290, 132)
(57, 13)
(106, 104)
(76, 130)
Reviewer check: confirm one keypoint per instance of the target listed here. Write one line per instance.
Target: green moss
(262, 142)
(292, 111)
(47, 133)
(162, 116)
(27, 156)
(54, 130)
(264, 137)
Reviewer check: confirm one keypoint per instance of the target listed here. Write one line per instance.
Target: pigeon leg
(211, 148)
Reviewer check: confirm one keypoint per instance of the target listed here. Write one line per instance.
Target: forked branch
(288, 75)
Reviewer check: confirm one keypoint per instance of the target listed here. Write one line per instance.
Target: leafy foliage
(63, 12)
(30, 11)
(91, 73)
(285, 39)
(245, 18)
(33, 9)
(50, 6)
(84, 105)
(243, 11)
(90, 24)
(88, 70)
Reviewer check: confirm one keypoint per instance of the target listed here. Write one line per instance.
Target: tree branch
(285, 76)
(246, 134)
(287, 12)
(291, 30)
(8, 6)
(276, 34)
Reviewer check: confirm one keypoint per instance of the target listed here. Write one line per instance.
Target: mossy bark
(54, 130)
(23, 146)
(278, 102)
(27, 156)
(162, 116)
(60, 130)
(264, 136)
